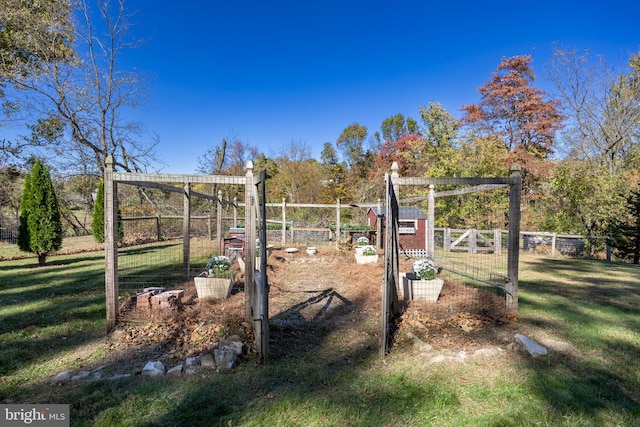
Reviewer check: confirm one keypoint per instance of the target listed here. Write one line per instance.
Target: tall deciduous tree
(351, 143)
(81, 100)
(40, 230)
(603, 104)
(511, 108)
(33, 33)
(439, 127)
(33, 36)
(230, 157)
(299, 178)
(588, 196)
(335, 176)
(395, 126)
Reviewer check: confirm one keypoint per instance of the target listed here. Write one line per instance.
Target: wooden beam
(165, 187)
(457, 192)
(133, 178)
(453, 181)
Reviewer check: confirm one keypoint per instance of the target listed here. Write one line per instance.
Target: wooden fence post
(186, 228)
(395, 174)
(338, 234)
(431, 219)
(379, 225)
(513, 256)
(497, 241)
(110, 245)
(284, 223)
(219, 224)
(235, 212)
(472, 241)
(249, 242)
(447, 239)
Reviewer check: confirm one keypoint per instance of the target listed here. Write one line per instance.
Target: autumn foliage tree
(515, 111)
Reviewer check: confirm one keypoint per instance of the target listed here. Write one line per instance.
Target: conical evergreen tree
(40, 229)
(97, 226)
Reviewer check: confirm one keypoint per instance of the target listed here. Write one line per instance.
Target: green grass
(53, 319)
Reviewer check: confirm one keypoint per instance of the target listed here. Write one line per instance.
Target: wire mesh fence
(152, 229)
(471, 247)
(474, 281)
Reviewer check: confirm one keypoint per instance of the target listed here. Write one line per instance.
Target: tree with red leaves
(515, 111)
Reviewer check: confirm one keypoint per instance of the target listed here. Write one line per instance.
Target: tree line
(578, 145)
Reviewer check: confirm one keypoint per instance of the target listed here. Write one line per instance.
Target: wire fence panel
(468, 244)
(151, 228)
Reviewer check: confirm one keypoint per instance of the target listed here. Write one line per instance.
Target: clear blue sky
(281, 71)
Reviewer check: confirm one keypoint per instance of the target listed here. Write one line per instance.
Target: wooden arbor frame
(112, 179)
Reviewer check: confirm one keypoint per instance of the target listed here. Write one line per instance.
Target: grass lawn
(53, 319)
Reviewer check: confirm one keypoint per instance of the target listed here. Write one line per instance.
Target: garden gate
(256, 309)
(507, 283)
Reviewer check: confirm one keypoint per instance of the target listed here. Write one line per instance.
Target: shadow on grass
(305, 378)
(593, 305)
(52, 261)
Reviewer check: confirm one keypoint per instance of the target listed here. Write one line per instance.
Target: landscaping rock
(530, 346)
(153, 369)
(225, 359)
(207, 361)
(175, 371)
(193, 361)
(233, 343)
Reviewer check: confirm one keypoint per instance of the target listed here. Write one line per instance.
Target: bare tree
(603, 104)
(80, 103)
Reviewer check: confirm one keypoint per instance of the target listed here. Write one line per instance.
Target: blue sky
(275, 72)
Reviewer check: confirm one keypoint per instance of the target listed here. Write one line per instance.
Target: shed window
(407, 227)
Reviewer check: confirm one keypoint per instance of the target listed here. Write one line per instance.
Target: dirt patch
(324, 302)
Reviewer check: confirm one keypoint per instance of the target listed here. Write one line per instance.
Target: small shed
(234, 244)
(413, 225)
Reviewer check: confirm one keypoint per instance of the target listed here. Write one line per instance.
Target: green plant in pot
(425, 269)
(218, 266)
(424, 282)
(362, 241)
(216, 281)
(366, 255)
(369, 251)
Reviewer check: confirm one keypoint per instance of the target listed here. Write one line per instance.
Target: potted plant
(423, 280)
(361, 243)
(369, 255)
(216, 280)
